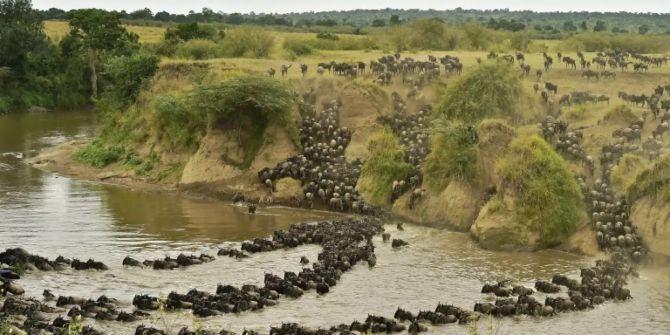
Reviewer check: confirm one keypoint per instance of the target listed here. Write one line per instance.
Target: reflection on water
(51, 215)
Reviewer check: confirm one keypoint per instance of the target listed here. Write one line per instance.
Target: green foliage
(653, 182)
(476, 35)
(592, 42)
(100, 30)
(493, 89)
(191, 31)
(453, 157)
(179, 125)
(624, 173)
(548, 198)
(248, 41)
(126, 75)
(98, 154)
(384, 165)
(199, 50)
(20, 32)
(247, 104)
(297, 47)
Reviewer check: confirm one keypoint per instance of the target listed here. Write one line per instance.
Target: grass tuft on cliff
(384, 165)
(492, 89)
(453, 156)
(547, 196)
(653, 182)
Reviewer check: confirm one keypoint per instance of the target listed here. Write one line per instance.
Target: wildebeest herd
(328, 178)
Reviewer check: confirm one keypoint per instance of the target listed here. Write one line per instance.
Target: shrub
(620, 114)
(297, 47)
(577, 112)
(178, 125)
(248, 41)
(190, 31)
(493, 89)
(199, 49)
(384, 165)
(249, 103)
(654, 182)
(548, 199)
(453, 156)
(98, 155)
(127, 74)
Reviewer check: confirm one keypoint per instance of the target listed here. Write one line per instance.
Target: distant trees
(190, 31)
(503, 24)
(584, 26)
(643, 29)
(600, 26)
(378, 23)
(569, 26)
(394, 20)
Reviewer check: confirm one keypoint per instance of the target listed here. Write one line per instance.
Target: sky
(284, 6)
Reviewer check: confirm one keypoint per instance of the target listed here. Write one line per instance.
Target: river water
(53, 215)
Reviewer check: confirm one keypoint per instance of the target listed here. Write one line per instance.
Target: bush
(249, 103)
(548, 198)
(493, 89)
(577, 112)
(190, 31)
(178, 125)
(654, 182)
(453, 156)
(248, 41)
(593, 41)
(127, 74)
(98, 155)
(297, 47)
(199, 50)
(620, 114)
(384, 165)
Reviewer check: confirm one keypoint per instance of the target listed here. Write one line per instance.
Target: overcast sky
(283, 6)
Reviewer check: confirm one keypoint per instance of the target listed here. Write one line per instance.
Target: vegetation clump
(453, 156)
(654, 182)
(548, 199)
(98, 154)
(493, 89)
(246, 104)
(384, 166)
(624, 173)
(622, 114)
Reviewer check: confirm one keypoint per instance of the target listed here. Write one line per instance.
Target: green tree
(99, 31)
(476, 35)
(569, 26)
(126, 74)
(20, 32)
(643, 29)
(394, 20)
(190, 31)
(600, 26)
(428, 34)
(584, 26)
(378, 23)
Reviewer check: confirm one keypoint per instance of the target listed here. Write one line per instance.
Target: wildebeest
(551, 87)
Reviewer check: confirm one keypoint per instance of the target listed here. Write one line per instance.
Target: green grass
(98, 154)
(548, 198)
(453, 156)
(653, 182)
(492, 89)
(624, 173)
(384, 165)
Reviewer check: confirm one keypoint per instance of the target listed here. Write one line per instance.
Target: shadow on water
(175, 218)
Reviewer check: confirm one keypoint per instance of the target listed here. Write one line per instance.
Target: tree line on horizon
(548, 23)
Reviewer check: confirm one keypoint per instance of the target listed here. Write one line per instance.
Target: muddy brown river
(53, 215)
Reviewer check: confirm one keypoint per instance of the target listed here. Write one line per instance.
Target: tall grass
(384, 165)
(548, 198)
(492, 89)
(453, 157)
(654, 182)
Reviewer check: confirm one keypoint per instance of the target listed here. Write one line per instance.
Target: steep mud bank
(652, 219)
